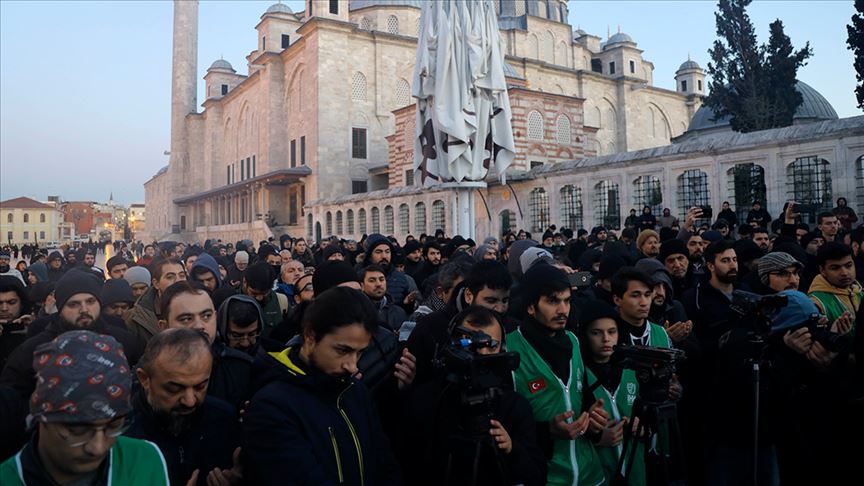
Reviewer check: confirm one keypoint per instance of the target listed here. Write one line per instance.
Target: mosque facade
(316, 137)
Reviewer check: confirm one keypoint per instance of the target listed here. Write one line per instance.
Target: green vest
(617, 405)
(834, 307)
(574, 462)
(132, 462)
(657, 336)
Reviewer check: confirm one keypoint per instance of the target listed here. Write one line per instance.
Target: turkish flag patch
(535, 386)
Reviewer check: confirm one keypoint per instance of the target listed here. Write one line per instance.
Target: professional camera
(653, 367)
(834, 342)
(757, 310)
(480, 378)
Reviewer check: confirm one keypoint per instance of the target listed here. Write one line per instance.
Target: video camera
(653, 366)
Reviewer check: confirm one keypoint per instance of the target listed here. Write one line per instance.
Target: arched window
(420, 218)
(508, 221)
(746, 183)
(9, 218)
(392, 24)
(388, 220)
(365, 24)
(439, 219)
(562, 130)
(403, 93)
(647, 192)
(26, 217)
(808, 182)
(692, 191)
(541, 9)
(329, 223)
(41, 217)
(571, 207)
(339, 226)
(535, 125)
(404, 219)
(607, 204)
(349, 221)
(538, 205)
(358, 87)
(376, 220)
(361, 221)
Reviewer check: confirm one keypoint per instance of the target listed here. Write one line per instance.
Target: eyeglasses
(239, 336)
(76, 435)
(785, 273)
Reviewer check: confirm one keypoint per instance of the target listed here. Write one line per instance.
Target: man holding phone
(15, 316)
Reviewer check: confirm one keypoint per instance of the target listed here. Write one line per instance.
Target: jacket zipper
(353, 435)
(336, 452)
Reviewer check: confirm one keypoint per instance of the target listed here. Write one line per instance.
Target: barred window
(417, 26)
(692, 191)
(438, 215)
(538, 203)
(571, 207)
(365, 24)
(647, 192)
(349, 220)
(339, 226)
(403, 93)
(409, 177)
(508, 221)
(329, 223)
(358, 87)
(520, 7)
(808, 181)
(535, 125)
(361, 221)
(859, 182)
(388, 220)
(562, 130)
(607, 204)
(308, 225)
(404, 219)
(420, 218)
(746, 183)
(376, 220)
(392, 24)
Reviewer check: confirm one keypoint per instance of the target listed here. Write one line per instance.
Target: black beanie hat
(117, 290)
(543, 279)
(259, 276)
(411, 246)
(673, 247)
(76, 282)
(331, 274)
(609, 266)
(330, 250)
(595, 309)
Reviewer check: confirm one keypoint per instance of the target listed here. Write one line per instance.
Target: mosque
(316, 137)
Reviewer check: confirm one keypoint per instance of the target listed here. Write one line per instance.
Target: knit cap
(76, 282)
(776, 261)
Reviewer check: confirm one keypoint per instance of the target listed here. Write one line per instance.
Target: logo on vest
(631, 393)
(535, 386)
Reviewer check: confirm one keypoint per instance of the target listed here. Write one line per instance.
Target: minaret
(184, 66)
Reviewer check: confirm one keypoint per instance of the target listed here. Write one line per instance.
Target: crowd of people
(601, 357)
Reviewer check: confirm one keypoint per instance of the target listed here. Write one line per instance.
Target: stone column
(183, 95)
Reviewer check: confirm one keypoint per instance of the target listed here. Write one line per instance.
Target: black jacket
(305, 427)
(729, 216)
(208, 443)
(19, 373)
(230, 378)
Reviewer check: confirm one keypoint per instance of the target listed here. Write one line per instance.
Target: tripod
(653, 417)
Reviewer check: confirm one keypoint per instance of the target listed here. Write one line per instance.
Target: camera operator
(550, 376)
(443, 447)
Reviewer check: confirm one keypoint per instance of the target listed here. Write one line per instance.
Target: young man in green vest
(835, 291)
(78, 413)
(551, 376)
(632, 293)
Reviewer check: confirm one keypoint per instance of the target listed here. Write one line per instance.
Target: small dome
(619, 38)
(221, 64)
(689, 64)
(358, 4)
(578, 33)
(279, 8)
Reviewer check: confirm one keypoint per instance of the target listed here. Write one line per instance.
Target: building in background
(24, 220)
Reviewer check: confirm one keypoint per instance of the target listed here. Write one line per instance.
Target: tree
(856, 44)
(751, 84)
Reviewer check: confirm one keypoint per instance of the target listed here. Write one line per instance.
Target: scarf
(556, 350)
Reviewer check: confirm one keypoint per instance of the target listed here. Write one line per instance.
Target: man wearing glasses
(239, 323)
(78, 412)
(779, 271)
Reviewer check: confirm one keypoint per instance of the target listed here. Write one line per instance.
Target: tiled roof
(23, 203)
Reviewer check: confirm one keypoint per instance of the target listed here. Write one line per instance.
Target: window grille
(535, 126)
(403, 93)
(392, 24)
(339, 225)
(365, 24)
(859, 182)
(388, 220)
(376, 220)
(808, 181)
(571, 207)
(607, 204)
(519, 7)
(647, 192)
(409, 177)
(508, 221)
(438, 215)
(358, 143)
(329, 223)
(358, 87)
(746, 183)
(562, 130)
(361, 221)
(420, 218)
(692, 192)
(538, 204)
(404, 219)
(349, 221)
(309, 225)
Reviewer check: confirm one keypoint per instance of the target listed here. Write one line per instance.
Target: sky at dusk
(85, 86)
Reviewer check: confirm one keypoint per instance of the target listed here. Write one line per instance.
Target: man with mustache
(403, 289)
(79, 307)
(835, 290)
(197, 434)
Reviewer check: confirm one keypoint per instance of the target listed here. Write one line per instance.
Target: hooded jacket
(208, 262)
(399, 285)
(141, 319)
(312, 428)
(40, 270)
(833, 301)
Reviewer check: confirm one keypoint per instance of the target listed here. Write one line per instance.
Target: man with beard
(196, 433)
(88, 263)
(648, 244)
(431, 264)
(761, 238)
(77, 296)
(779, 271)
(312, 422)
(189, 305)
(56, 270)
(675, 257)
(6, 269)
(239, 323)
(707, 304)
(379, 250)
(206, 271)
(288, 275)
(413, 251)
(235, 272)
(117, 267)
(374, 284)
(143, 320)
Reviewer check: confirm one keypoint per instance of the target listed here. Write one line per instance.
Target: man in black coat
(77, 294)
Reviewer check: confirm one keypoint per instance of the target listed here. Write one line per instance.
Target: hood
(821, 285)
(222, 316)
(287, 366)
(516, 249)
(207, 261)
(657, 271)
(374, 240)
(55, 255)
(40, 270)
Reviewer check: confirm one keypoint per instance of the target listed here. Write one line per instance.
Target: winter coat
(729, 216)
(833, 301)
(306, 427)
(207, 262)
(141, 319)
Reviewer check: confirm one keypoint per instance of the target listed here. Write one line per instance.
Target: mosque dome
(814, 108)
(221, 64)
(358, 4)
(619, 38)
(279, 8)
(689, 64)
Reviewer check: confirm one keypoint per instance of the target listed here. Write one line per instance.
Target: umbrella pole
(465, 209)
